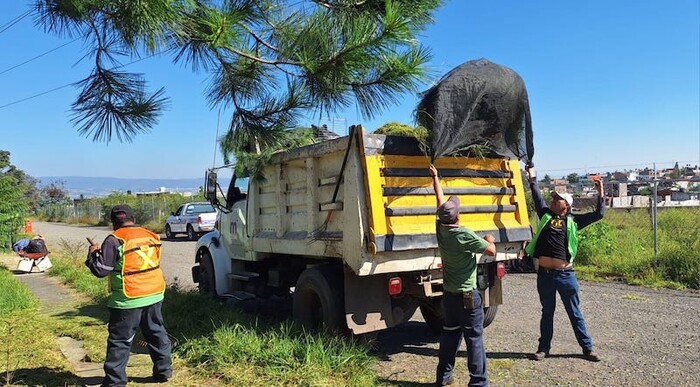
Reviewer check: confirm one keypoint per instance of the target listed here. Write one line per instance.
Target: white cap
(566, 196)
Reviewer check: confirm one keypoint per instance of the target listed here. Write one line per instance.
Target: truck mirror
(210, 187)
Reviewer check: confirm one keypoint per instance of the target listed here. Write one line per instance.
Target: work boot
(589, 355)
(160, 378)
(447, 382)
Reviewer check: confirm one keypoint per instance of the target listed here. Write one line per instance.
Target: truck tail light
(395, 286)
(500, 270)
(199, 219)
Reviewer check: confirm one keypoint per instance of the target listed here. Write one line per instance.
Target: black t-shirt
(552, 239)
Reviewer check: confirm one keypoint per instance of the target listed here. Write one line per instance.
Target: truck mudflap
(367, 303)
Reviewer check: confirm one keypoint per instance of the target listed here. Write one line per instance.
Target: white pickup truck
(194, 219)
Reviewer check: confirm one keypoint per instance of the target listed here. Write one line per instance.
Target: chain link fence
(147, 209)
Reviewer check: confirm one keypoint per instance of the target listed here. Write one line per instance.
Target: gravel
(646, 337)
(177, 256)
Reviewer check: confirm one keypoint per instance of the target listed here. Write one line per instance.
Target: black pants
(122, 329)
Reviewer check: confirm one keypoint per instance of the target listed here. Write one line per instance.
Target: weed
(631, 255)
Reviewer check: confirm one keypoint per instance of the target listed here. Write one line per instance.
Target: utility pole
(653, 216)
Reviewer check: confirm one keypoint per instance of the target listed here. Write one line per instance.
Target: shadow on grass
(190, 315)
(42, 376)
(96, 311)
(403, 383)
(412, 337)
(509, 355)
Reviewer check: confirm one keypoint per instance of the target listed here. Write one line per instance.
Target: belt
(459, 293)
(554, 271)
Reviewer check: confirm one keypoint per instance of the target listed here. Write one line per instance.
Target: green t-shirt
(458, 246)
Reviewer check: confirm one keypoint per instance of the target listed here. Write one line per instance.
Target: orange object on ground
(28, 226)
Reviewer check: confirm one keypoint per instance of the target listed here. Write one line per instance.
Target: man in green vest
(555, 246)
(130, 256)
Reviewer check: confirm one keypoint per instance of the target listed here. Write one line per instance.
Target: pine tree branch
(258, 38)
(261, 60)
(331, 6)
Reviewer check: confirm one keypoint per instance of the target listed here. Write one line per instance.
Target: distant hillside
(102, 186)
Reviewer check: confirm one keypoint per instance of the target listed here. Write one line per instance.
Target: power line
(69, 84)
(37, 57)
(616, 166)
(35, 95)
(14, 21)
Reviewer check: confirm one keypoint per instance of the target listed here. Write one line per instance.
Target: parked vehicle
(194, 219)
(347, 228)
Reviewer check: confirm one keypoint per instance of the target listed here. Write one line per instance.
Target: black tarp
(478, 103)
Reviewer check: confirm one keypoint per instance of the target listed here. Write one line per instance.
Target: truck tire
(169, 233)
(432, 314)
(191, 235)
(207, 281)
(490, 314)
(318, 299)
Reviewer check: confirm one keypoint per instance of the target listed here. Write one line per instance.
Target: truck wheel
(490, 314)
(318, 299)
(207, 281)
(432, 314)
(169, 233)
(191, 235)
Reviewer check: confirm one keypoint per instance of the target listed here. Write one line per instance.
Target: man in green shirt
(461, 300)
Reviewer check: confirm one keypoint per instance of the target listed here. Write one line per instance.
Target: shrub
(596, 242)
(679, 241)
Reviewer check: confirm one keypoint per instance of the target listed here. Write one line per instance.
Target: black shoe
(589, 355)
(540, 355)
(160, 378)
(446, 383)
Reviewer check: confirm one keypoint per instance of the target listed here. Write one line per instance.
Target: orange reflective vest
(140, 273)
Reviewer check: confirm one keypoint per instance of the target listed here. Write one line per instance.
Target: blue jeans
(564, 282)
(468, 323)
(122, 329)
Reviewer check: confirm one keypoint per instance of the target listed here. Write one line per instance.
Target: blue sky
(612, 85)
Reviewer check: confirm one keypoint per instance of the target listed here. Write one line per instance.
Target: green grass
(14, 296)
(26, 339)
(278, 355)
(622, 247)
(220, 343)
(71, 269)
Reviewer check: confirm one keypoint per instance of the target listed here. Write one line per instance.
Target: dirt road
(646, 337)
(177, 256)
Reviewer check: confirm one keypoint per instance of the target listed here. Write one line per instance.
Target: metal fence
(96, 211)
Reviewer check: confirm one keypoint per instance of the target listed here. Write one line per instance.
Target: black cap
(121, 213)
(448, 212)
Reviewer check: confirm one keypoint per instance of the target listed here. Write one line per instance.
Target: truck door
(177, 224)
(233, 230)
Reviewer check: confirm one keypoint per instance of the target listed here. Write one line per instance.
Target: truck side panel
(291, 207)
(402, 202)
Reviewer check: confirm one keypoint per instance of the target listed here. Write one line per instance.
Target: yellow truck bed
(383, 217)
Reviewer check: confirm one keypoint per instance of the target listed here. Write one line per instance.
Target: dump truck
(346, 228)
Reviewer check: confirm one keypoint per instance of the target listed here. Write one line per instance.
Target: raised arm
(535, 189)
(584, 220)
(439, 195)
